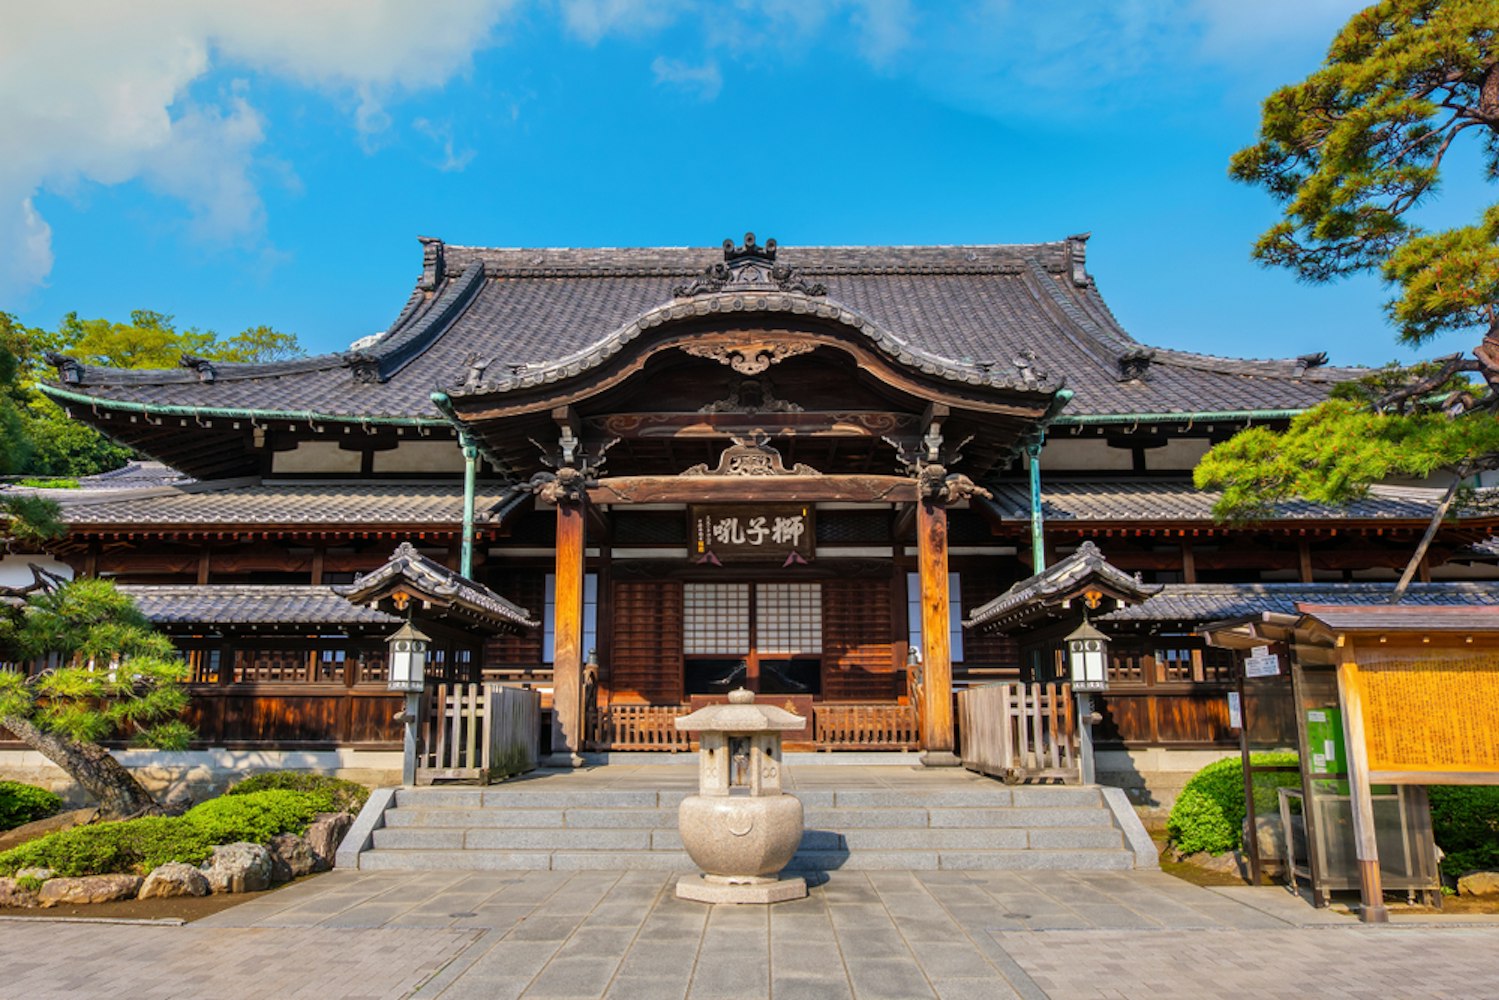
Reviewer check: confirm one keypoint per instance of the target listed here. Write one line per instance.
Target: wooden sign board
(1430, 712)
(751, 532)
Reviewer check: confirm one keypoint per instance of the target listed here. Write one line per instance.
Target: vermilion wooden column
(936, 649)
(567, 649)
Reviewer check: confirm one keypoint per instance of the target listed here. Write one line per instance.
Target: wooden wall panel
(645, 667)
(526, 587)
(858, 642)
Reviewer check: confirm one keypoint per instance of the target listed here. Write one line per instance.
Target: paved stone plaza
(496, 935)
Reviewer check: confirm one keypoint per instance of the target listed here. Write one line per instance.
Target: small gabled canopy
(410, 576)
(1049, 594)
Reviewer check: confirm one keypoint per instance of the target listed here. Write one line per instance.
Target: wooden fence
(1019, 732)
(865, 727)
(835, 726)
(476, 732)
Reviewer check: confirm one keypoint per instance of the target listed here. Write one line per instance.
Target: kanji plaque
(751, 532)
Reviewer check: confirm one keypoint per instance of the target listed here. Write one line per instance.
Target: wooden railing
(639, 727)
(476, 732)
(1019, 732)
(865, 727)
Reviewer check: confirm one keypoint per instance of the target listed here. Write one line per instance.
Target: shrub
(139, 845)
(21, 804)
(341, 795)
(1209, 812)
(1465, 822)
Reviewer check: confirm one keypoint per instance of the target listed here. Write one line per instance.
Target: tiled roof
(434, 580)
(241, 604)
(344, 502)
(1399, 617)
(983, 311)
(1209, 602)
(1085, 566)
(1116, 500)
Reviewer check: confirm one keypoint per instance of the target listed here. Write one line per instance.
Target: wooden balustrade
(476, 732)
(639, 727)
(1019, 732)
(865, 727)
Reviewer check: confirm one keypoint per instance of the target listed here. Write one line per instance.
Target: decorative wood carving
(751, 395)
(751, 457)
(749, 359)
(749, 267)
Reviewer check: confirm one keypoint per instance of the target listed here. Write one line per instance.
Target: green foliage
(139, 845)
(21, 804)
(1351, 150)
(35, 483)
(1209, 812)
(29, 883)
(30, 519)
(118, 677)
(339, 794)
(1465, 822)
(1333, 452)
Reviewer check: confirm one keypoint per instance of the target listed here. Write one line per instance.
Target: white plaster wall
(15, 570)
(420, 456)
(1176, 454)
(1074, 454)
(315, 456)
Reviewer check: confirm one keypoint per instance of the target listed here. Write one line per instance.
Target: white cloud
(98, 92)
(704, 81)
(453, 159)
(592, 20)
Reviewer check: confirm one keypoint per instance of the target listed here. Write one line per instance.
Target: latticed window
(788, 617)
(715, 619)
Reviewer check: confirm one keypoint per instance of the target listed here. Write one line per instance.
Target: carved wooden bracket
(751, 395)
(749, 359)
(751, 457)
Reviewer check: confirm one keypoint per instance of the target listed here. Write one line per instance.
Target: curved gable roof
(1019, 313)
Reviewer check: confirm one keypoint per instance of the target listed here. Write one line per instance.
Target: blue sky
(274, 162)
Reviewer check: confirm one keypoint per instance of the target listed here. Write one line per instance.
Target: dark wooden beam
(745, 489)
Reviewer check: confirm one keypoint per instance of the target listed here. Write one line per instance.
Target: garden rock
(241, 867)
(89, 889)
(42, 827)
(325, 834)
(174, 879)
(40, 874)
(1227, 863)
(1484, 885)
(291, 857)
(12, 894)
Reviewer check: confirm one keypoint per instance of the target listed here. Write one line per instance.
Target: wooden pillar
(319, 554)
(937, 740)
(568, 652)
(202, 565)
(1189, 563)
(1304, 552)
(1365, 843)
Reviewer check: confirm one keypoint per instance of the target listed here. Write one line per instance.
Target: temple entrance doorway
(763, 636)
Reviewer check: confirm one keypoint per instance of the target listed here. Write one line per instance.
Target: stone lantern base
(740, 889)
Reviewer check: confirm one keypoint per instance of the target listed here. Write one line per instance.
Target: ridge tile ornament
(741, 829)
(749, 267)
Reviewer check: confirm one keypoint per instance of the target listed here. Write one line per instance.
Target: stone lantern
(740, 828)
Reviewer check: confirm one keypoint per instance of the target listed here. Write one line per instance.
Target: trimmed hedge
(340, 795)
(136, 846)
(21, 804)
(1209, 812)
(1465, 822)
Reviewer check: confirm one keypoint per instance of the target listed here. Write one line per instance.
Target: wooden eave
(626, 490)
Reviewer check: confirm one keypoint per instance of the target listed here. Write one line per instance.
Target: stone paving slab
(858, 935)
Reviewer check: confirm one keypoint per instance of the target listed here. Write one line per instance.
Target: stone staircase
(957, 821)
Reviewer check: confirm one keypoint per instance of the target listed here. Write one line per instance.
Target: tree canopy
(116, 677)
(1352, 154)
(37, 438)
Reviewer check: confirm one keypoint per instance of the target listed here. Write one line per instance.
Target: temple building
(637, 478)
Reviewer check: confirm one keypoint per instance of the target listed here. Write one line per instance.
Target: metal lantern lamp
(408, 668)
(1087, 666)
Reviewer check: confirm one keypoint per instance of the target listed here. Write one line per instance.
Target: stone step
(805, 861)
(983, 794)
(592, 818)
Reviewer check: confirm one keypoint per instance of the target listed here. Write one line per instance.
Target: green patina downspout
(470, 473)
(1033, 447)
(1038, 524)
